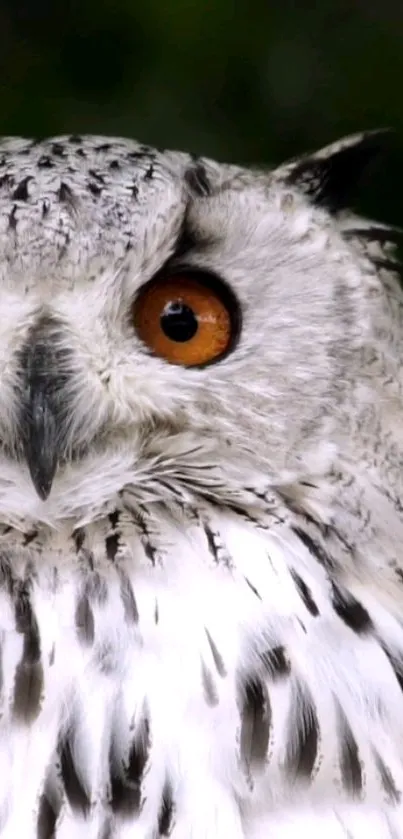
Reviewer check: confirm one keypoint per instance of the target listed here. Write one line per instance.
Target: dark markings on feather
(350, 610)
(216, 547)
(84, 619)
(166, 811)
(211, 542)
(393, 794)
(72, 783)
(209, 687)
(255, 722)
(6, 180)
(94, 188)
(6, 528)
(149, 549)
(45, 162)
(276, 662)
(350, 764)
(313, 547)
(112, 541)
(21, 191)
(87, 557)
(156, 613)
(197, 180)
(305, 593)
(126, 778)
(114, 518)
(383, 235)
(29, 680)
(142, 154)
(29, 537)
(385, 264)
(217, 657)
(7, 578)
(98, 176)
(66, 195)
(245, 516)
(262, 495)
(398, 505)
(12, 218)
(47, 818)
(330, 179)
(328, 530)
(59, 150)
(324, 530)
(252, 588)
(128, 600)
(79, 538)
(95, 587)
(303, 737)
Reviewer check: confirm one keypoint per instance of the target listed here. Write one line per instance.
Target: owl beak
(42, 418)
(41, 441)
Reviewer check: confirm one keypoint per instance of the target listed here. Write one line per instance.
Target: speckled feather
(201, 628)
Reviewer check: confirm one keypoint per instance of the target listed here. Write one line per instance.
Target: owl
(201, 483)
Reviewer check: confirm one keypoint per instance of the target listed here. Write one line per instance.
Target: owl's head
(178, 326)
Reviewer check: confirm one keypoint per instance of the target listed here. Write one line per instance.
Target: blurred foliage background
(240, 80)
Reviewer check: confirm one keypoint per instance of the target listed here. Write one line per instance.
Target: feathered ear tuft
(329, 176)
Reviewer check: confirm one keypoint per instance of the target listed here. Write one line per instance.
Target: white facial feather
(200, 567)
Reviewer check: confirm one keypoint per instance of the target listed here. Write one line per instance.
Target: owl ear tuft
(330, 176)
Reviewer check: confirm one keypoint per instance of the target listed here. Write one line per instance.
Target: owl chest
(118, 697)
(180, 691)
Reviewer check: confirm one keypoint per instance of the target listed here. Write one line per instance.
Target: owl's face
(168, 323)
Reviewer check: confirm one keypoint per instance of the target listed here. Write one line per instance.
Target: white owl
(201, 498)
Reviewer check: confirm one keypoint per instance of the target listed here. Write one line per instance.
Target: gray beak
(41, 439)
(42, 416)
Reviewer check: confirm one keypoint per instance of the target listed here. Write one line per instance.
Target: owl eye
(189, 319)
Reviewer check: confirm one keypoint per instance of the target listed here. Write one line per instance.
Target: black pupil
(178, 321)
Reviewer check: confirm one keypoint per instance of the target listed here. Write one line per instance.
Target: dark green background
(243, 81)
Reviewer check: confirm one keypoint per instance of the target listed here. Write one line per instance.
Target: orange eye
(187, 319)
